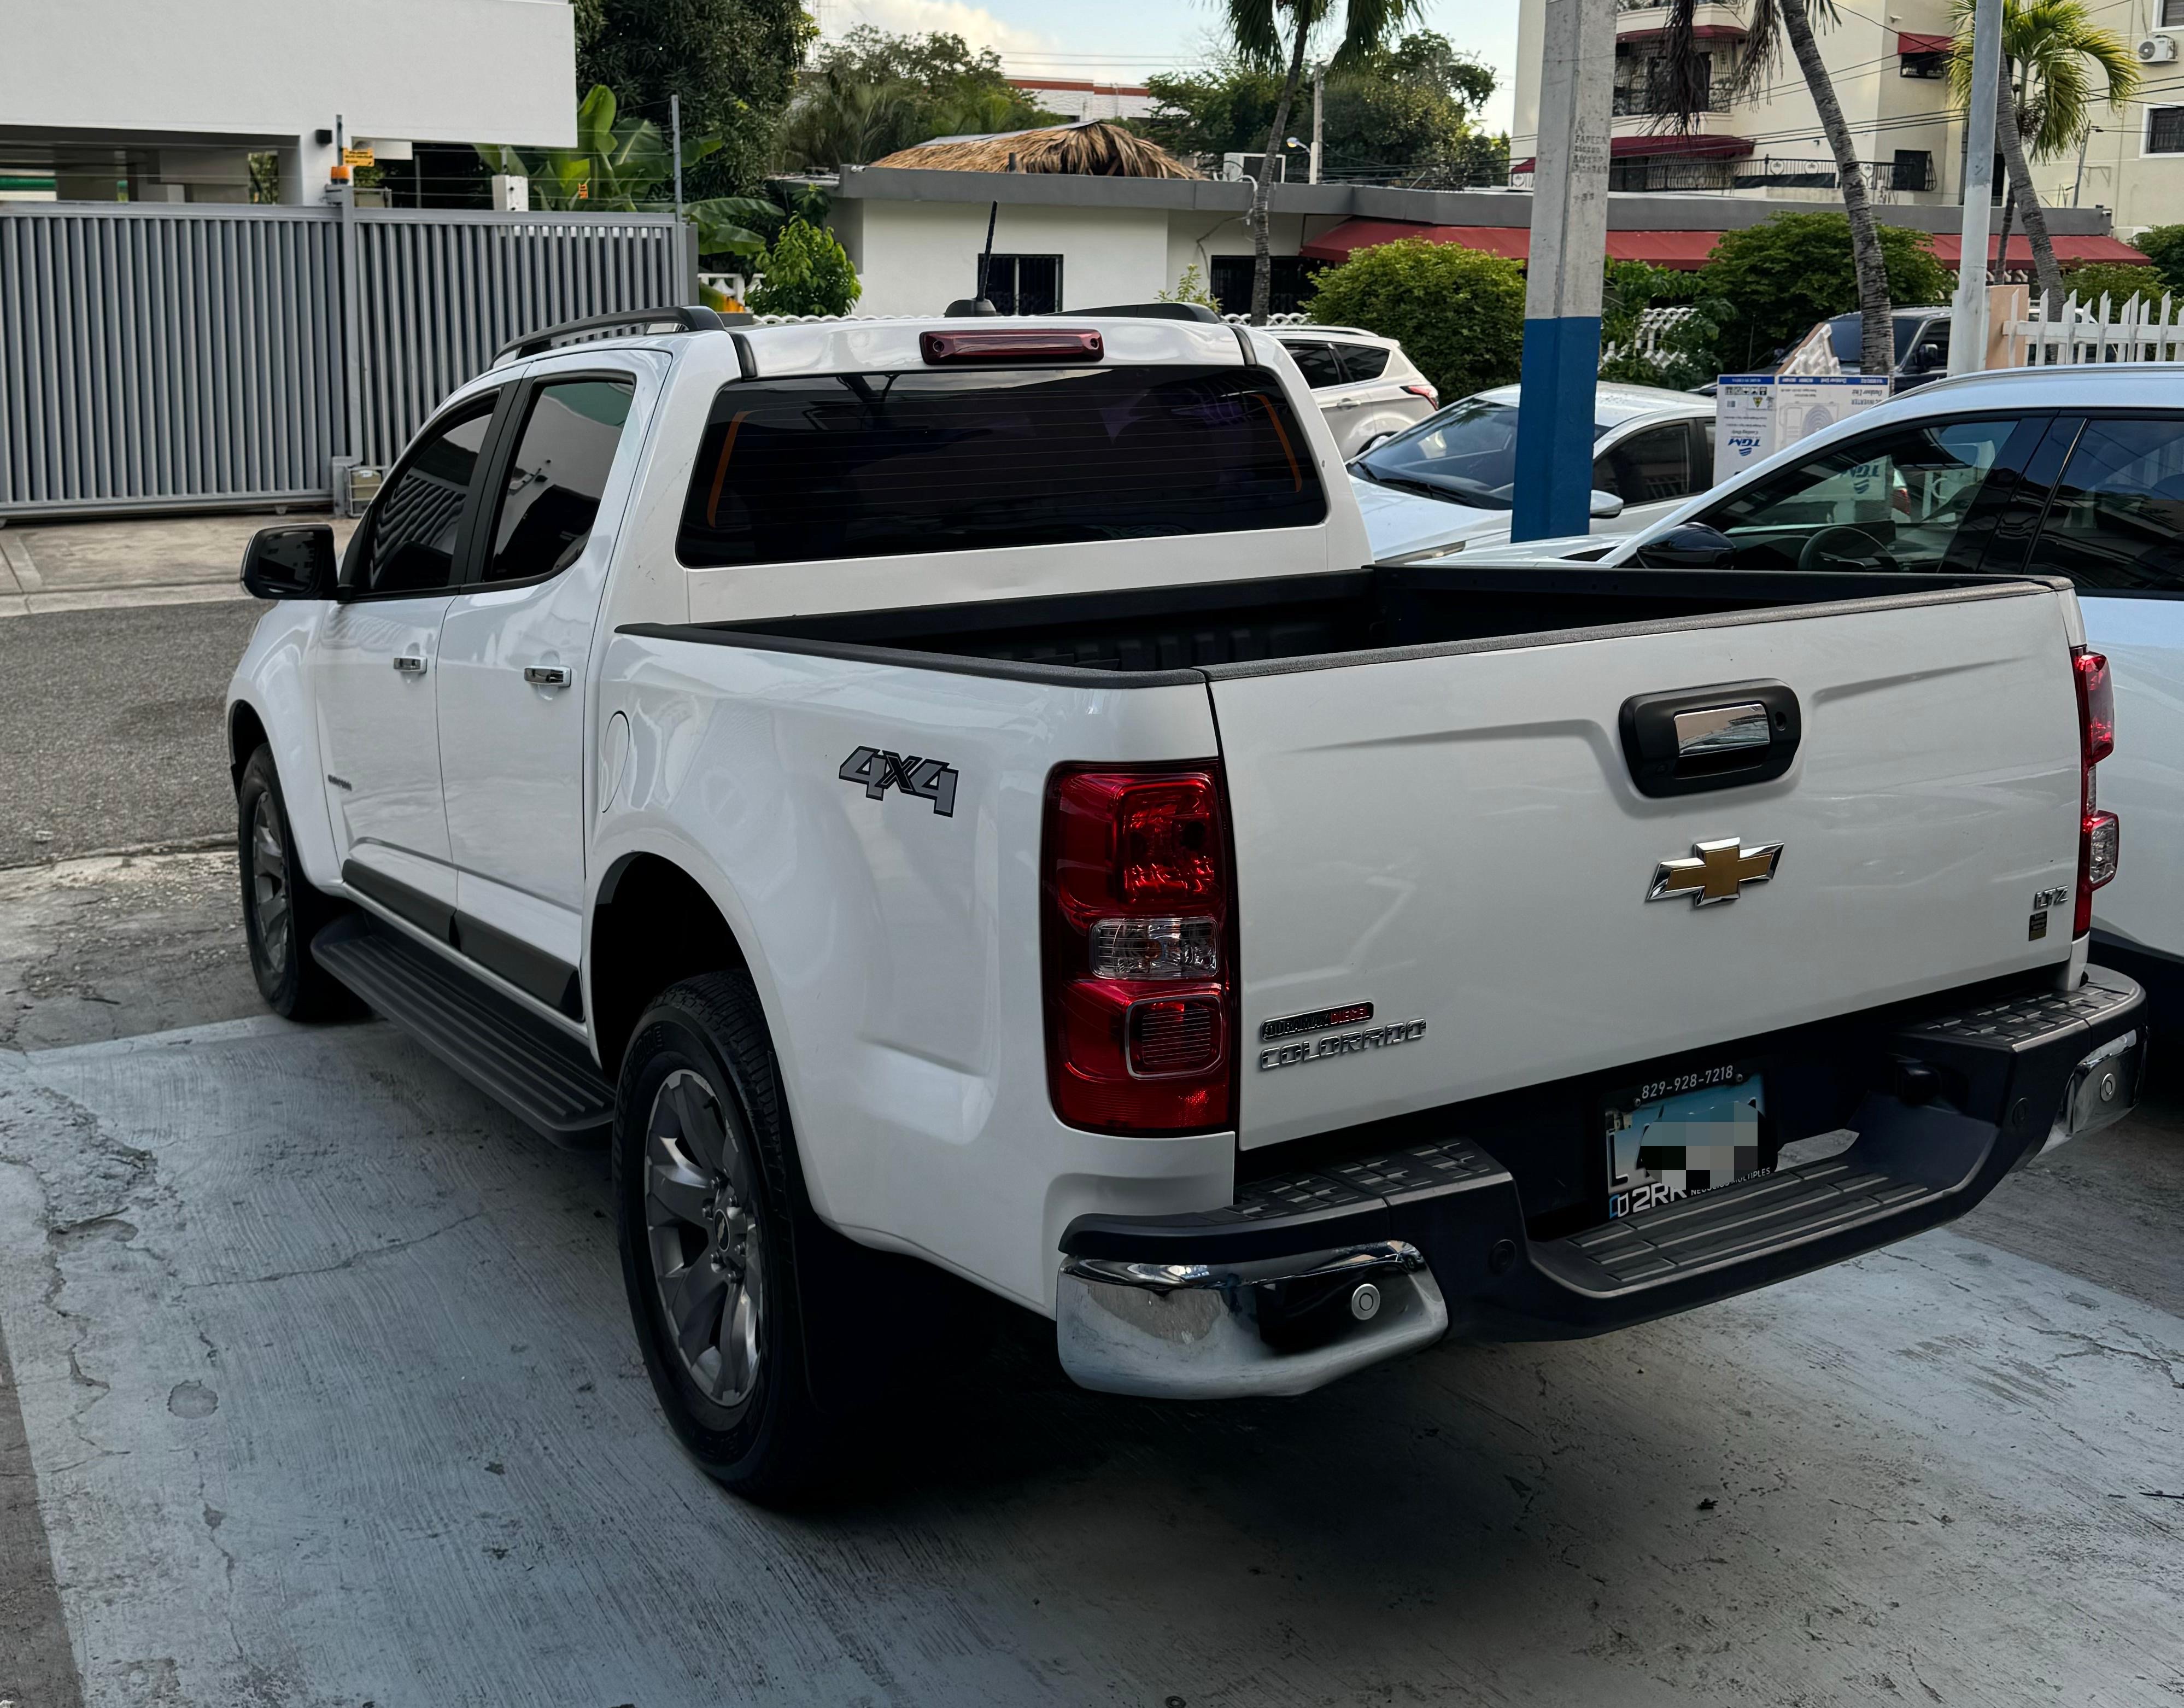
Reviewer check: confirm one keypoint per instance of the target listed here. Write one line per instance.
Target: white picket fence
(1654, 325)
(2072, 333)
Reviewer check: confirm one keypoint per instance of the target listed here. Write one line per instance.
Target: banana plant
(624, 165)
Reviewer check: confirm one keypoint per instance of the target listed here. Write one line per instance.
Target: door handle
(546, 675)
(409, 664)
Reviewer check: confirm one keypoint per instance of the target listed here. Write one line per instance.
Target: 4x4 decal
(927, 779)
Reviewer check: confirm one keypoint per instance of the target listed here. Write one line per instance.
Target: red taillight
(1011, 344)
(2100, 834)
(1139, 972)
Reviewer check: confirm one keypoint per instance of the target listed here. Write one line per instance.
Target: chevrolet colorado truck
(956, 797)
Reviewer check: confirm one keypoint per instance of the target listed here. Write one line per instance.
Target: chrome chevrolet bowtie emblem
(1715, 872)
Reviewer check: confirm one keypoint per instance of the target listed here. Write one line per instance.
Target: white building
(1886, 65)
(1079, 99)
(145, 100)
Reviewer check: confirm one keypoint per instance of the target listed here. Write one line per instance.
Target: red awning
(1948, 247)
(1907, 41)
(1686, 251)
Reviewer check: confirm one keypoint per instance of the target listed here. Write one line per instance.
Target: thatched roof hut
(1092, 146)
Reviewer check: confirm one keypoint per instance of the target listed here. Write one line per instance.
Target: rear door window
(550, 494)
(2116, 521)
(1892, 500)
(840, 466)
(1363, 362)
(1649, 467)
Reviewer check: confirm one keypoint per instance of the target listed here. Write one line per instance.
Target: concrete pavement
(325, 1383)
(103, 565)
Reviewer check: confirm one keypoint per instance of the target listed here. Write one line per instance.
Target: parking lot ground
(322, 1370)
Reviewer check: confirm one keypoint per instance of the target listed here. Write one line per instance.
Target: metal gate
(160, 357)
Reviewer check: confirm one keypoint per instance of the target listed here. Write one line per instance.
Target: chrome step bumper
(1310, 1277)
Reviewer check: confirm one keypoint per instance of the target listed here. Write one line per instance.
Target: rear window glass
(837, 465)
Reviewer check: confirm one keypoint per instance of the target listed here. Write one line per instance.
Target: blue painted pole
(1562, 290)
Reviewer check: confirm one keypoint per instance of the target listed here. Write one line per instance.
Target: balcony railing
(1640, 101)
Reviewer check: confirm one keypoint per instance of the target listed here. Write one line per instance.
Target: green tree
(873, 92)
(1254, 29)
(2165, 246)
(807, 272)
(1458, 314)
(733, 62)
(1404, 111)
(2121, 280)
(2051, 50)
(1683, 90)
(1685, 356)
(1778, 278)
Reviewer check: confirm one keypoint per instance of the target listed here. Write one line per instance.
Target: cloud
(977, 26)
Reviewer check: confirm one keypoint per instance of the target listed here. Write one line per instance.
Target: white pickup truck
(954, 796)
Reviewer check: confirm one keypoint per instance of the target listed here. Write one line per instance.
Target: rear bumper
(1309, 1276)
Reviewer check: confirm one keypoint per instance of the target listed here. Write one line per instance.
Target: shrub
(1191, 289)
(807, 272)
(1780, 278)
(1458, 314)
(1685, 356)
(2165, 245)
(2121, 280)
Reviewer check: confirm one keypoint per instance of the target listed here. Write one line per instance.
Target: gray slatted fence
(156, 357)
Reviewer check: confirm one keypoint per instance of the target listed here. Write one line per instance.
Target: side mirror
(1689, 545)
(290, 562)
(1932, 356)
(1606, 506)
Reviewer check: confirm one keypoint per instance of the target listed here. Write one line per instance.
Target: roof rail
(682, 316)
(1145, 311)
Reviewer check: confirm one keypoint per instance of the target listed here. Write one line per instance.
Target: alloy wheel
(701, 1224)
(269, 882)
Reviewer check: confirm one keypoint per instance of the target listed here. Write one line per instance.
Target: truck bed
(1233, 628)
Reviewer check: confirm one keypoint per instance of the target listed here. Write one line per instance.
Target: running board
(532, 1069)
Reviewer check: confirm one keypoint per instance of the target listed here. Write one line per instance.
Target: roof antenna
(981, 303)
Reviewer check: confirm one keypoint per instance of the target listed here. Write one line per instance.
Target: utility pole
(1318, 111)
(1968, 313)
(2078, 183)
(675, 125)
(1561, 288)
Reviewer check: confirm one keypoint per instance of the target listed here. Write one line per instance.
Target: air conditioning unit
(2157, 50)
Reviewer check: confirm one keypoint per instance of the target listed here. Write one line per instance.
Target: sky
(1124, 40)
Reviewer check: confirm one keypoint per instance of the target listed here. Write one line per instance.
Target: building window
(2164, 131)
(1024, 284)
(1290, 283)
(2172, 14)
(1913, 169)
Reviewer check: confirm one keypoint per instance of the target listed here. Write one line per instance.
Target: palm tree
(1683, 89)
(1255, 28)
(2044, 106)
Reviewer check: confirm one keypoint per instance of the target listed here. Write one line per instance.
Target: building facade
(138, 100)
(1889, 72)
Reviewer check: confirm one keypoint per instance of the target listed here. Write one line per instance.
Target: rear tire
(717, 1238)
(281, 910)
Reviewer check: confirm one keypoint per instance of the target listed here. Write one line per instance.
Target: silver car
(1363, 383)
(1448, 483)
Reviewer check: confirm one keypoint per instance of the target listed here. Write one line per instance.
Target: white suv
(1363, 383)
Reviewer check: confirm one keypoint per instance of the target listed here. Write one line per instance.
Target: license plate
(1684, 1133)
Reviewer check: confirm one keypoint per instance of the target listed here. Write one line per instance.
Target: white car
(943, 796)
(2071, 472)
(1446, 485)
(1363, 383)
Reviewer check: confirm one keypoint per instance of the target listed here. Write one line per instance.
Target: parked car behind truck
(954, 796)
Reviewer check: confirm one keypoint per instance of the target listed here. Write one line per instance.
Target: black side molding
(432, 917)
(531, 971)
(1724, 735)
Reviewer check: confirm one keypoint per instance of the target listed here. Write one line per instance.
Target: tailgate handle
(1722, 736)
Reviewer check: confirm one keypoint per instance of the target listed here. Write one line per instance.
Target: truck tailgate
(1453, 835)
